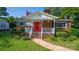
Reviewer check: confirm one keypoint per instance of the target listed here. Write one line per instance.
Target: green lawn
(69, 44)
(70, 41)
(10, 42)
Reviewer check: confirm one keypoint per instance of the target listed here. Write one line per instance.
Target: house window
(29, 24)
(61, 24)
(21, 23)
(3, 25)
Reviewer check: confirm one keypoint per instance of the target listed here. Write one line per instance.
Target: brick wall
(18, 28)
(47, 24)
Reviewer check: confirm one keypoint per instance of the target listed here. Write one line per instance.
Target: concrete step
(36, 35)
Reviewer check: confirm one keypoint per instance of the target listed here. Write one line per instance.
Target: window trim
(21, 23)
(62, 23)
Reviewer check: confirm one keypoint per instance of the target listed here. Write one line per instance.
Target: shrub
(58, 29)
(28, 38)
(62, 38)
(13, 30)
(71, 38)
(46, 37)
(66, 36)
(74, 31)
(77, 46)
(63, 34)
(54, 38)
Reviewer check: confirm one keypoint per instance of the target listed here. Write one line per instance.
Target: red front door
(37, 27)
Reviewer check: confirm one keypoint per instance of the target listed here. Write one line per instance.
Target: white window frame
(29, 24)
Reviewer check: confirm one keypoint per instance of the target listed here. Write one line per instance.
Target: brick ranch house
(41, 23)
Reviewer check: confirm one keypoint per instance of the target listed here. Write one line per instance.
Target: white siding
(4, 25)
(27, 29)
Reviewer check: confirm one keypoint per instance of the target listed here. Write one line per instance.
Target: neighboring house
(4, 25)
(63, 24)
(41, 23)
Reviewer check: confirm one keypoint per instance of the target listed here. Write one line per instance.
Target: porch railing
(48, 30)
(44, 30)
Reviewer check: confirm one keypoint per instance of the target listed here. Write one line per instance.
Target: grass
(71, 42)
(11, 42)
(72, 45)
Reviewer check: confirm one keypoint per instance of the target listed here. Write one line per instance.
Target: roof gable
(40, 16)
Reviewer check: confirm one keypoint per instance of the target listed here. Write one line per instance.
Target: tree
(3, 11)
(71, 12)
(11, 20)
(54, 10)
(67, 12)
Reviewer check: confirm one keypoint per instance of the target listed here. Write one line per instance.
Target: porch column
(65, 24)
(55, 28)
(41, 25)
(41, 28)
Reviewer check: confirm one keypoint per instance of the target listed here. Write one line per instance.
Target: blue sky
(20, 11)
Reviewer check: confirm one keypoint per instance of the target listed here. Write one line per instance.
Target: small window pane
(60, 24)
(2, 25)
(21, 23)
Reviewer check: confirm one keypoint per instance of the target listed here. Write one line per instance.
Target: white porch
(44, 31)
(40, 23)
(48, 30)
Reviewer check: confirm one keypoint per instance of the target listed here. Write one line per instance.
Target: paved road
(50, 46)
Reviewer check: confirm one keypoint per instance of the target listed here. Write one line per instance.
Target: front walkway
(50, 46)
